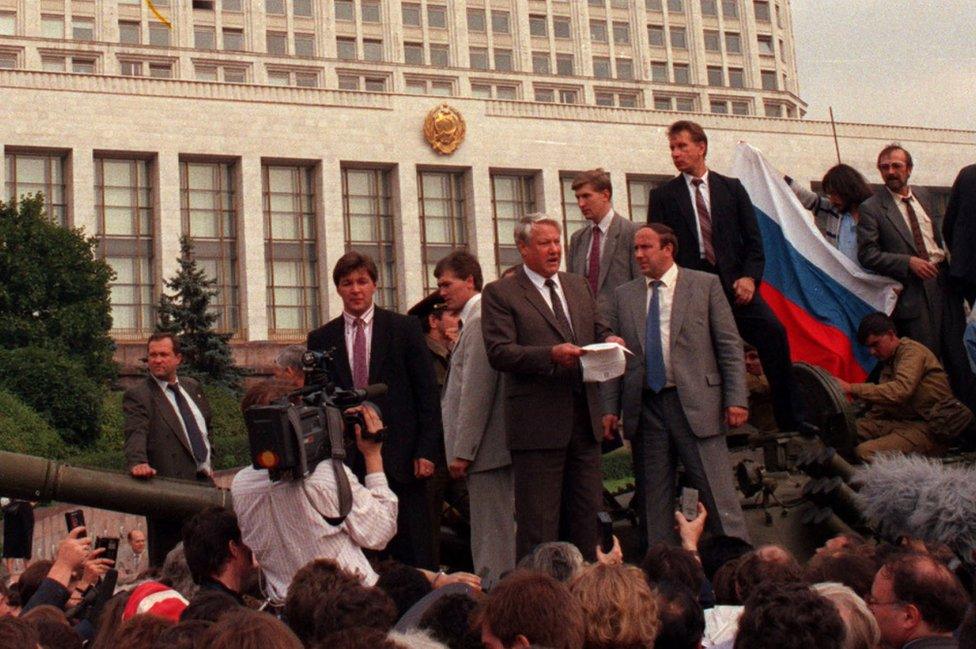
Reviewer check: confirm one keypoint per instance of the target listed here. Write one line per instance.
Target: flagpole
(833, 127)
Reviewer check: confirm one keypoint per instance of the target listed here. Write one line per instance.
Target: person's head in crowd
(619, 609)
(655, 246)
(529, 608)
(404, 584)
(188, 634)
(164, 355)
(17, 634)
(665, 562)
(209, 605)
(142, 631)
(137, 540)
(914, 596)
(109, 621)
(510, 271)
(288, 366)
(264, 392)
(560, 560)
(31, 579)
(716, 551)
(247, 629)
(967, 630)
(310, 584)
(895, 166)
(789, 616)
(45, 612)
(154, 598)
(450, 620)
(539, 241)
(355, 276)
(845, 188)
(459, 278)
(689, 146)
(861, 629)
(176, 573)
(9, 599)
(723, 585)
(594, 194)
(357, 638)
(415, 639)
(877, 332)
(214, 550)
(752, 360)
(352, 605)
(682, 620)
(844, 567)
(435, 322)
(769, 564)
(56, 635)
(844, 541)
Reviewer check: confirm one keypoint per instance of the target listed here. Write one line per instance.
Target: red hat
(156, 599)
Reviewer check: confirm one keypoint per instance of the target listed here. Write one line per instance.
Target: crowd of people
(486, 407)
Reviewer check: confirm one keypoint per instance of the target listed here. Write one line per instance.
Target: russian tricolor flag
(818, 294)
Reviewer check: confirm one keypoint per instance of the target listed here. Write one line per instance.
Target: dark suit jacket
(153, 432)
(411, 407)
(735, 233)
(618, 264)
(959, 226)
(885, 244)
(520, 330)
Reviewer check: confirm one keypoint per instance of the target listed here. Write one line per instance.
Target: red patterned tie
(916, 230)
(704, 220)
(360, 366)
(593, 273)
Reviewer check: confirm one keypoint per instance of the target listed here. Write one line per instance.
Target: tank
(36, 478)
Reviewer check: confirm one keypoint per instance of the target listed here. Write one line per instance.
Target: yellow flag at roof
(160, 17)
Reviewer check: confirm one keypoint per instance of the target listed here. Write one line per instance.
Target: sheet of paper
(603, 361)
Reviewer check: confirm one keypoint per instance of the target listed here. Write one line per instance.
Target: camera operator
(284, 524)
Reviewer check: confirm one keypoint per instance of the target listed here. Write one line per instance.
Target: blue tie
(654, 355)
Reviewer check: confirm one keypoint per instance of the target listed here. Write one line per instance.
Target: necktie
(916, 229)
(704, 221)
(360, 364)
(193, 431)
(557, 310)
(593, 272)
(653, 352)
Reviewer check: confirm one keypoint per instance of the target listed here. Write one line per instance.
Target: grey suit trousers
(492, 498)
(663, 438)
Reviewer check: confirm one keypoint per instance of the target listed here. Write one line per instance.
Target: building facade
(241, 126)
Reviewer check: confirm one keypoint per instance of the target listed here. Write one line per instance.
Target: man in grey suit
(474, 423)
(602, 252)
(683, 387)
(899, 235)
(536, 323)
(165, 426)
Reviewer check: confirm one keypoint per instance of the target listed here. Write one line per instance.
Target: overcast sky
(899, 62)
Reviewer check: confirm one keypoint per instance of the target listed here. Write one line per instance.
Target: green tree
(186, 313)
(54, 292)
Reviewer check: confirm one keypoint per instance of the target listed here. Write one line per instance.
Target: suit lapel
(382, 330)
(894, 216)
(168, 414)
(637, 300)
(575, 302)
(683, 199)
(679, 305)
(336, 339)
(531, 294)
(609, 248)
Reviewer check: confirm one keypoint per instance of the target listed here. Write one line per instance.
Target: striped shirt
(282, 524)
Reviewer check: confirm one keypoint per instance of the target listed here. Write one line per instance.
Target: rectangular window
(621, 33)
(736, 78)
(83, 66)
(209, 210)
(564, 65)
(307, 79)
(598, 31)
(8, 23)
(715, 77)
(39, 173)
(540, 63)
(476, 20)
(500, 22)
(370, 11)
(765, 44)
(274, 6)
(676, 6)
(538, 26)
(372, 50)
(740, 107)
(659, 71)
(682, 73)
(205, 73)
(638, 193)
(83, 29)
(346, 48)
(235, 75)
(279, 78)
(652, 5)
(52, 26)
(573, 218)
(479, 58)
(712, 43)
(773, 110)
(290, 250)
(277, 43)
(439, 55)
(733, 43)
(684, 104)
(234, 39)
(719, 107)
(158, 34)
(161, 70)
(235, 5)
(568, 96)
(628, 100)
(305, 45)
(561, 27)
(768, 78)
(730, 8)
(709, 7)
(345, 10)
(443, 218)
(679, 38)
(368, 220)
(52, 63)
(124, 230)
(413, 53)
(625, 69)
(604, 98)
(762, 11)
(601, 67)
(203, 38)
(130, 33)
(655, 35)
(298, 7)
(503, 60)
(512, 197)
(437, 16)
(130, 68)
(411, 14)
(663, 103)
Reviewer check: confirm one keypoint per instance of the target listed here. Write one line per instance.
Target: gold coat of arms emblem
(444, 129)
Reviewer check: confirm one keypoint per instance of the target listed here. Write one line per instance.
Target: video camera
(290, 440)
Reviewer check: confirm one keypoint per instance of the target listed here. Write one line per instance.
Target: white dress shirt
(706, 194)
(936, 254)
(201, 422)
(468, 307)
(540, 283)
(604, 226)
(665, 299)
(350, 331)
(282, 524)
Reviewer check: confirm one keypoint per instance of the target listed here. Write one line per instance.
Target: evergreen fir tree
(186, 313)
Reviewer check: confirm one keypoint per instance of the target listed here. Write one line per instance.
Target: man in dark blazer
(166, 420)
(715, 223)
(959, 228)
(698, 392)
(535, 324)
(603, 251)
(373, 345)
(899, 235)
